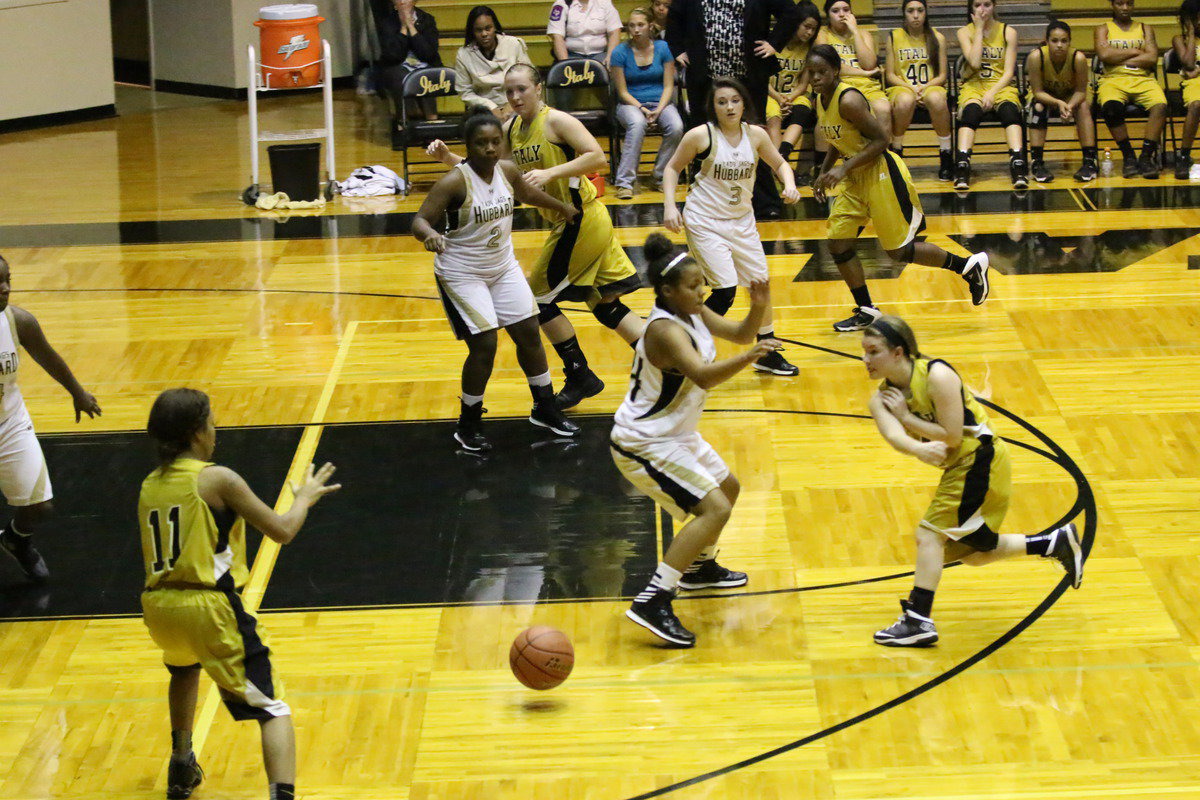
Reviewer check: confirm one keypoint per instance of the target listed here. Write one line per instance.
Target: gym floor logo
(299, 42)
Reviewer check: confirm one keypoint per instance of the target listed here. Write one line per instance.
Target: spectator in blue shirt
(643, 74)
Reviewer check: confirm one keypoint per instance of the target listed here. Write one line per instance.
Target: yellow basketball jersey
(1056, 81)
(837, 131)
(845, 47)
(532, 150)
(920, 403)
(911, 55)
(791, 64)
(183, 539)
(991, 61)
(1132, 39)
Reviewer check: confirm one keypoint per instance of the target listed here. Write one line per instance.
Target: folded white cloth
(372, 181)
(268, 202)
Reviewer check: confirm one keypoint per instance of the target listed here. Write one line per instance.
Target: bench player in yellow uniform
(876, 188)
(1058, 78)
(789, 108)
(1129, 52)
(859, 53)
(916, 73)
(989, 49)
(1187, 48)
(193, 514)
(923, 409)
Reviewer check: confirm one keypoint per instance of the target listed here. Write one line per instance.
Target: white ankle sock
(666, 577)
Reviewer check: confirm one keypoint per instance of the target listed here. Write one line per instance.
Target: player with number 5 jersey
(717, 216)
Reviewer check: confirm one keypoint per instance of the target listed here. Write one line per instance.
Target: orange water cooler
(290, 42)
(293, 56)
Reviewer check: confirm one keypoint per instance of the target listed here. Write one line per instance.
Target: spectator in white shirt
(484, 58)
(584, 29)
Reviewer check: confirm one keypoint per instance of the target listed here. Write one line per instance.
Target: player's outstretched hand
(85, 403)
(438, 149)
(762, 347)
(760, 293)
(316, 484)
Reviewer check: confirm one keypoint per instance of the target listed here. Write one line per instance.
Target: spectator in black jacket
(737, 38)
(408, 40)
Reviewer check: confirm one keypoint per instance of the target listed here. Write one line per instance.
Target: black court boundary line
(548, 601)
(1085, 502)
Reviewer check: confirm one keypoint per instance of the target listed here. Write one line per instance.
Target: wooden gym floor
(318, 335)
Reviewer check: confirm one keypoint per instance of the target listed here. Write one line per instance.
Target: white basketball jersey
(10, 359)
(658, 404)
(725, 177)
(479, 232)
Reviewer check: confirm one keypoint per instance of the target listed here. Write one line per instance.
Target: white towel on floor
(373, 181)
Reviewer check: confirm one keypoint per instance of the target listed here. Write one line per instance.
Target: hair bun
(657, 246)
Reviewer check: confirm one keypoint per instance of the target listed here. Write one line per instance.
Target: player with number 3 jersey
(717, 216)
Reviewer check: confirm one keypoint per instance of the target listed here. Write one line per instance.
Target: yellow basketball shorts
(894, 92)
(973, 91)
(582, 261)
(1140, 90)
(973, 492)
(881, 193)
(774, 111)
(869, 87)
(1191, 91)
(213, 629)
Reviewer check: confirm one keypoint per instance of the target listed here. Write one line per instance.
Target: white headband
(672, 264)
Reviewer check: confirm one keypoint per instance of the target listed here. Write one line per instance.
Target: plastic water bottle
(1106, 164)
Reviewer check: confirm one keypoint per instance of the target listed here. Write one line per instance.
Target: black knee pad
(906, 254)
(803, 116)
(547, 312)
(971, 115)
(719, 300)
(1114, 113)
(610, 314)
(1008, 114)
(843, 257)
(984, 540)
(1038, 117)
(182, 670)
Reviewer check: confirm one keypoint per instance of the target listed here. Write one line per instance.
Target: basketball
(541, 657)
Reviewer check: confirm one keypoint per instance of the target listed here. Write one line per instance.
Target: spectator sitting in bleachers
(408, 40)
(584, 29)
(1187, 47)
(643, 75)
(658, 18)
(483, 60)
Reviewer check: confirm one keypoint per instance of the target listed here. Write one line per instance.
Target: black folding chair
(421, 84)
(574, 75)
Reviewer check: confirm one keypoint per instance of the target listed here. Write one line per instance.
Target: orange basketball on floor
(541, 657)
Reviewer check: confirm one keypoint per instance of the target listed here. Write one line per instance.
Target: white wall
(205, 42)
(343, 21)
(192, 42)
(55, 55)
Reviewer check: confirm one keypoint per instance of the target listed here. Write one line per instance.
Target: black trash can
(295, 170)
